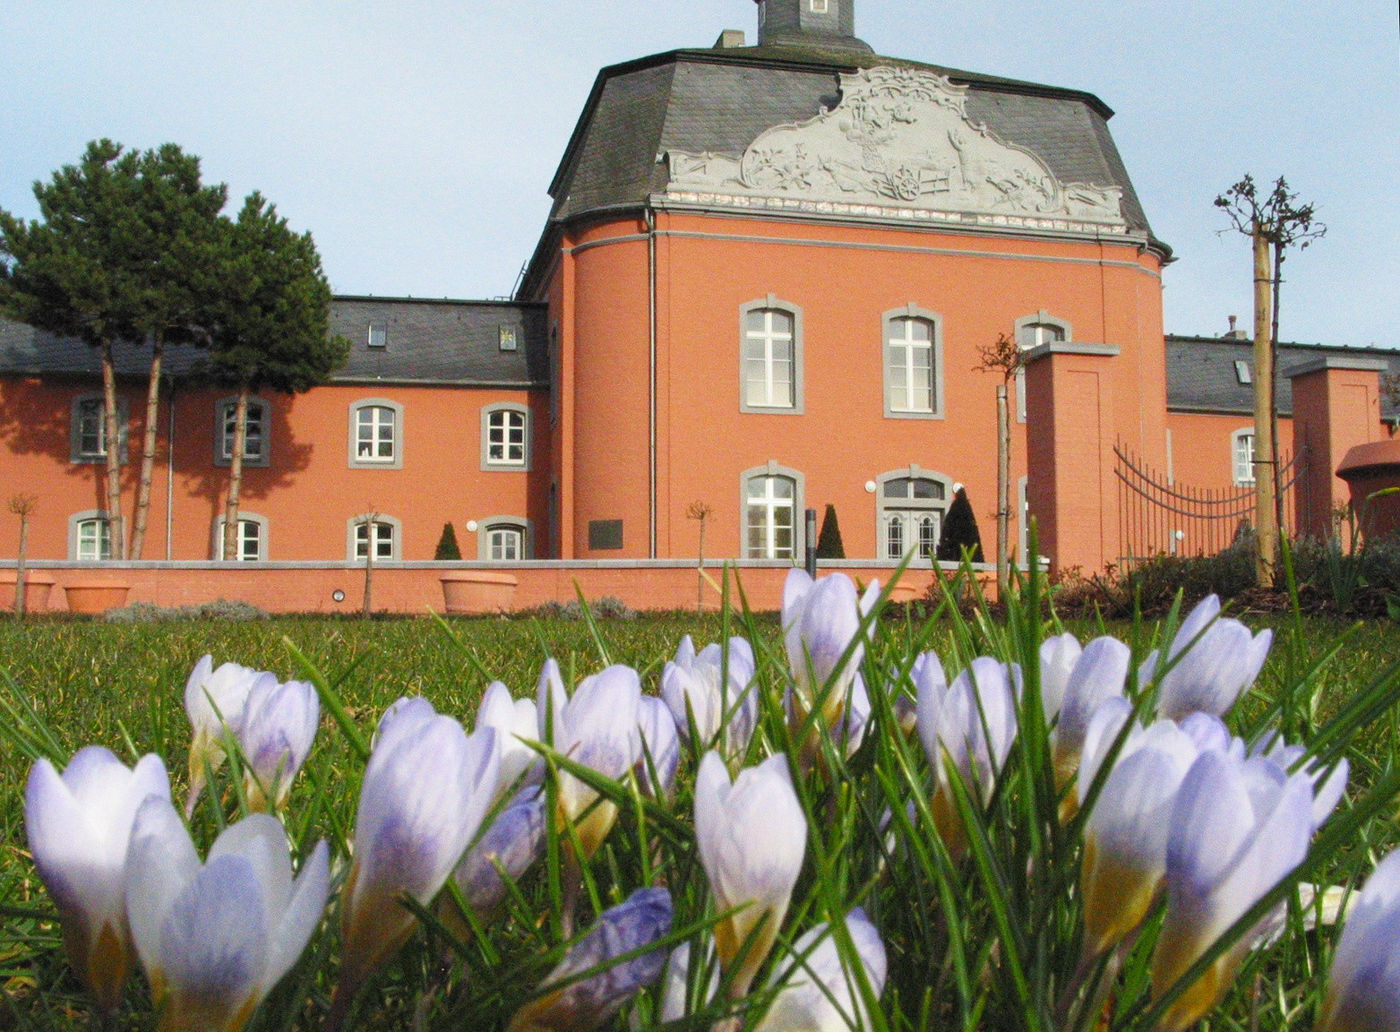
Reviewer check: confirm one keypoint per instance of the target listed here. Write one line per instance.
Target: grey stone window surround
(75, 429)
(225, 405)
(490, 523)
(354, 460)
(771, 301)
(1040, 318)
(497, 466)
(913, 471)
(75, 522)
(216, 540)
(355, 522)
(799, 496)
(887, 320)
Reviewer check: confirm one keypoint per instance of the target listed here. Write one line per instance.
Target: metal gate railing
(1158, 517)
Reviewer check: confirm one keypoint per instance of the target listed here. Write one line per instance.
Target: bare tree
(1274, 221)
(701, 511)
(1003, 356)
(23, 506)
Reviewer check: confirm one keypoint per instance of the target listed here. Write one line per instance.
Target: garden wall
(416, 587)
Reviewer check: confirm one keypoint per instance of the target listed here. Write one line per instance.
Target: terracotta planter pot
(95, 596)
(1369, 468)
(37, 587)
(478, 591)
(903, 591)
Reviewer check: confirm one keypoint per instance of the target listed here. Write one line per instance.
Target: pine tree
(268, 325)
(113, 262)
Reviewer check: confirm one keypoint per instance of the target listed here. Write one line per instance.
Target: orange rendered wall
(307, 493)
(843, 277)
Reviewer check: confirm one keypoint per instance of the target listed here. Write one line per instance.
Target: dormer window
(378, 334)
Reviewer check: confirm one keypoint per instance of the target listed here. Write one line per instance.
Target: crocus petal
(1058, 654)
(79, 829)
(1363, 991)
(425, 791)
(818, 993)
(518, 724)
(1211, 661)
(1098, 674)
(1231, 839)
(279, 725)
(752, 838)
(661, 747)
(643, 918)
(505, 850)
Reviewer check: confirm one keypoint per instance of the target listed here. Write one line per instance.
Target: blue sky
(416, 140)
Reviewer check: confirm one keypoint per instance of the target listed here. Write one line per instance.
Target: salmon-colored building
(765, 286)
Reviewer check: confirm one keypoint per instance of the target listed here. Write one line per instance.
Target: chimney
(729, 39)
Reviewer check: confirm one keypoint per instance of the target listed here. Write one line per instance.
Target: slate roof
(721, 99)
(1201, 373)
(450, 343)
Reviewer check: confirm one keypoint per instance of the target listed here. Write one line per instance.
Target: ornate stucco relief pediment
(898, 145)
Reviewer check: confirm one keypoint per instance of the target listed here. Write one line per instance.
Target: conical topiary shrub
(829, 544)
(960, 531)
(447, 544)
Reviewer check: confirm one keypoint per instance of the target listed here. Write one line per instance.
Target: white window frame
(386, 526)
(1036, 324)
(88, 406)
(395, 459)
(505, 412)
(886, 507)
(770, 527)
(90, 547)
(817, 6)
(899, 350)
(1242, 471)
(254, 430)
(493, 525)
(246, 521)
(771, 341)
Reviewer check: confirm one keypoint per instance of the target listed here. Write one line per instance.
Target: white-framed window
(255, 431)
(913, 363)
(373, 531)
(1242, 457)
(910, 506)
(770, 333)
(772, 506)
(1031, 332)
(90, 536)
(817, 6)
(376, 433)
(505, 437)
(504, 539)
(250, 544)
(87, 438)
(377, 335)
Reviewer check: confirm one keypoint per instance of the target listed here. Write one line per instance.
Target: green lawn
(121, 685)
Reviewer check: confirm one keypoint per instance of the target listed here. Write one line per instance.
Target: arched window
(90, 536)
(1031, 332)
(770, 333)
(250, 543)
(373, 531)
(504, 539)
(772, 506)
(913, 363)
(376, 433)
(505, 437)
(911, 504)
